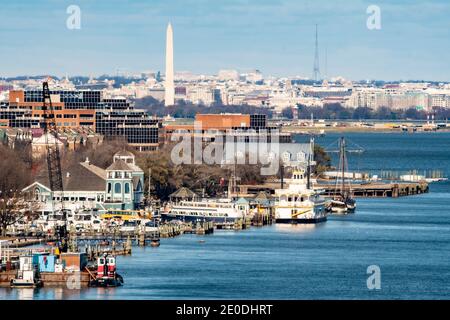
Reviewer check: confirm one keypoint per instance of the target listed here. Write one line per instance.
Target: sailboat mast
(343, 165)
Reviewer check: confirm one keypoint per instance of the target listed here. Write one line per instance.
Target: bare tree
(14, 208)
(15, 174)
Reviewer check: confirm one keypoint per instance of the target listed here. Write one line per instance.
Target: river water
(407, 238)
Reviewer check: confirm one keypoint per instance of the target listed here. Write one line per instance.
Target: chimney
(68, 174)
(87, 160)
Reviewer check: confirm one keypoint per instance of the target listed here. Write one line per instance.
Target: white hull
(216, 211)
(299, 203)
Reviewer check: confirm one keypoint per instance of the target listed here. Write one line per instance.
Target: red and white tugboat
(106, 273)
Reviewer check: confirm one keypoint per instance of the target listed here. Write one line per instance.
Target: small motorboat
(27, 276)
(26, 282)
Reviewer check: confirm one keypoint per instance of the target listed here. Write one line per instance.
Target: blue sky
(275, 36)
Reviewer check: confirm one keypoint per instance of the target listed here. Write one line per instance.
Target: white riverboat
(299, 203)
(215, 210)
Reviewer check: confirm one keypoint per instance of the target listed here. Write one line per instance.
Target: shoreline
(318, 131)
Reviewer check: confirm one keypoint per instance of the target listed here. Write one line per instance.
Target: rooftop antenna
(316, 72)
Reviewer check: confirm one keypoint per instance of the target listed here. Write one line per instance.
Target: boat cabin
(106, 267)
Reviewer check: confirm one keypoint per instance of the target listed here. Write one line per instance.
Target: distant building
(439, 100)
(227, 75)
(86, 110)
(201, 95)
(39, 145)
(157, 93)
(254, 76)
(240, 126)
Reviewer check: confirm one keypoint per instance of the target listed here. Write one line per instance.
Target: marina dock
(358, 190)
(378, 189)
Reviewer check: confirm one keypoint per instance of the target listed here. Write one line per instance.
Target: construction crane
(54, 161)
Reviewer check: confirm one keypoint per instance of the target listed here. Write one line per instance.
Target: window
(117, 188)
(37, 194)
(127, 188)
(109, 187)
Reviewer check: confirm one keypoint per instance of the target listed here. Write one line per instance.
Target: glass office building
(112, 118)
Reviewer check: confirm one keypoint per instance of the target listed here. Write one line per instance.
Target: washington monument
(169, 86)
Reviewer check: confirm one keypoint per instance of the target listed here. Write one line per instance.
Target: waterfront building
(118, 187)
(125, 182)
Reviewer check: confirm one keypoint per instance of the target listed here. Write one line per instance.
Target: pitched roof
(124, 153)
(262, 197)
(119, 165)
(80, 178)
(183, 193)
(97, 170)
(241, 201)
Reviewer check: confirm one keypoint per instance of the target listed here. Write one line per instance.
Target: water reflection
(298, 228)
(25, 293)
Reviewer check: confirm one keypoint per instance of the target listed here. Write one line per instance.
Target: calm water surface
(408, 238)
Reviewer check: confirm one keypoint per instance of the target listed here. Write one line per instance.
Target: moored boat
(215, 210)
(342, 201)
(106, 273)
(299, 203)
(27, 276)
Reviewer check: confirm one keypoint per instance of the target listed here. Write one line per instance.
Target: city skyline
(276, 37)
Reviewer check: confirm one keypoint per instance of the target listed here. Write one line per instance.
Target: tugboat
(106, 273)
(342, 202)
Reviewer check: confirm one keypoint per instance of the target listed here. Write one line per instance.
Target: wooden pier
(22, 242)
(358, 190)
(261, 219)
(378, 189)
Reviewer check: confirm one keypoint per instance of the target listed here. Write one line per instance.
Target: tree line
(188, 110)
(337, 112)
(334, 111)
